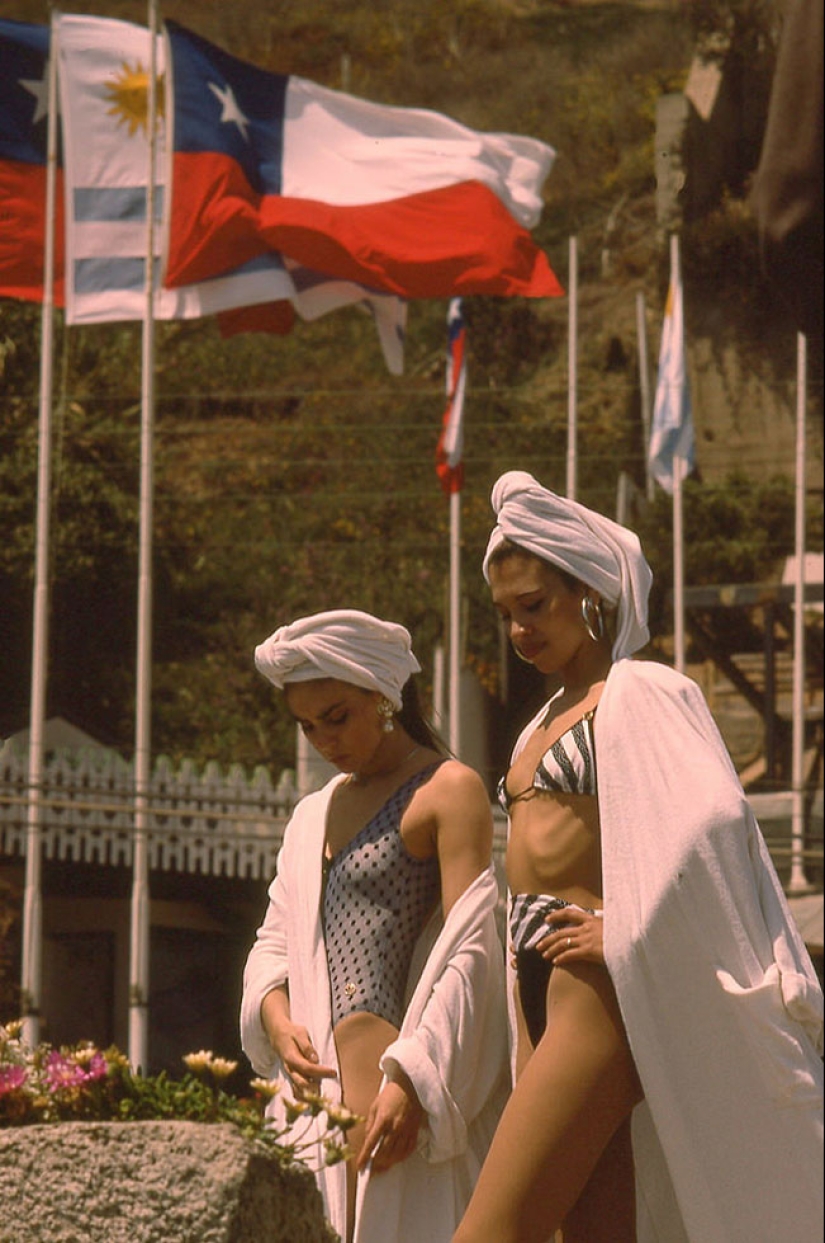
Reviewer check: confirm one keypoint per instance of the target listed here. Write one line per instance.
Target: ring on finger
(569, 942)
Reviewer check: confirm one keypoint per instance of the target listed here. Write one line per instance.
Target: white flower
(199, 1061)
(222, 1068)
(266, 1087)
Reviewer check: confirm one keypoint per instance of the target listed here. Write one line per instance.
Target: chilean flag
(24, 57)
(401, 200)
(449, 462)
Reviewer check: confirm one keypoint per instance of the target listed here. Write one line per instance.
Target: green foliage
(83, 1083)
(291, 473)
(739, 531)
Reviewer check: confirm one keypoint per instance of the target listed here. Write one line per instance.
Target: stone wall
(151, 1182)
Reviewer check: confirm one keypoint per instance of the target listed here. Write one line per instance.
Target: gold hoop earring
(593, 618)
(386, 711)
(524, 659)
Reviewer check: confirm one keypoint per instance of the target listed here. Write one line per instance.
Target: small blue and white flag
(671, 436)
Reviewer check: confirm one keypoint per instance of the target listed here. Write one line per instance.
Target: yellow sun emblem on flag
(128, 93)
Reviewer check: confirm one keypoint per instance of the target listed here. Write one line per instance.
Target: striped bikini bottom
(528, 913)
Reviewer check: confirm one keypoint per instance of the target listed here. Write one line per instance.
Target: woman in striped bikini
(646, 926)
(558, 623)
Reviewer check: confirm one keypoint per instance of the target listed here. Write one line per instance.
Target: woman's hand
(574, 935)
(293, 1045)
(392, 1127)
(300, 1061)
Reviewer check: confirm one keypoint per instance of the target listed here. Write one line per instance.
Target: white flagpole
(454, 737)
(678, 568)
(678, 531)
(798, 882)
(572, 369)
(32, 934)
(438, 688)
(644, 387)
(140, 903)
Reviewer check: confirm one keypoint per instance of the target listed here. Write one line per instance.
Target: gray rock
(151, 1182)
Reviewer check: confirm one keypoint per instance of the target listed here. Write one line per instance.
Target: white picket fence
(209, 821)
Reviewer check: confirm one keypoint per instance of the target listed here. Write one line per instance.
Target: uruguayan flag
(104, 99)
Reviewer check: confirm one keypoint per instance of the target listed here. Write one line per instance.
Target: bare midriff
(554, 847)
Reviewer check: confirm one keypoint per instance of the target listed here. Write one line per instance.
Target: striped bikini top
(568, 766)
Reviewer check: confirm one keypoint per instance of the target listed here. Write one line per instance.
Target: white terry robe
(452, 1043)
(719, 997)
(720, 1000)
(721, 1004)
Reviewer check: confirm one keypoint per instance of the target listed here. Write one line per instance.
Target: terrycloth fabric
(452, 1043)
(595, 550)
(345, 644)
(721, 1003)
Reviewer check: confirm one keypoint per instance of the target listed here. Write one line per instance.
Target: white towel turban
(596, 551)
(345, 644)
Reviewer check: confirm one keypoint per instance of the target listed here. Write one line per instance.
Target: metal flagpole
(454, 737)
(140, 903)
(678, 568)
(678, 529)
(798, 882)
(644, 387)
(438, 688)
(32, 935)
(572, 367)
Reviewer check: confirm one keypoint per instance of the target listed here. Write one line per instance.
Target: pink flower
(97, 1068)
(62, 1073)
(12, 1078)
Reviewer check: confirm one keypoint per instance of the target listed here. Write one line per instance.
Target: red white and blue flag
(24, 56)
(449, 454)
(400, 200)
(104, 93)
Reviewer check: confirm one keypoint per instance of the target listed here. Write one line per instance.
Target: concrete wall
(151, 1182)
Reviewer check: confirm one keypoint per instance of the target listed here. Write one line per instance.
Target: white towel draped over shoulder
(722, 1006)
(452, 1043)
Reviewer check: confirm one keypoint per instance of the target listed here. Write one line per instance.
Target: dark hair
(507, 549)
(415, 723)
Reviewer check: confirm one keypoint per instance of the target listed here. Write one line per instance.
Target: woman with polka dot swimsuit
(401, 843)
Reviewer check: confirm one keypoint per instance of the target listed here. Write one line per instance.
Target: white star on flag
(231, 114)
(40, 91)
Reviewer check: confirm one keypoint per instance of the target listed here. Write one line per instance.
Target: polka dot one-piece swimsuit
(377, 899)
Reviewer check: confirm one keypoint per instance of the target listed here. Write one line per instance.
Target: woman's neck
(586, 671)
(391, 757)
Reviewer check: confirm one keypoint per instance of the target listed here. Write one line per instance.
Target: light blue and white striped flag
(104, 74)
(671, 435)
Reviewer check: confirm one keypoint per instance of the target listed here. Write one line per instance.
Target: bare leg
(361, 1040)
(605, 1212)
(576, 1090)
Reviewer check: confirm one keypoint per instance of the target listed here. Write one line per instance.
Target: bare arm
(464, 830)
(292, 1043)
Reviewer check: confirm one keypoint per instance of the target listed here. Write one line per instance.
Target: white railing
(216, 822)
(209, 821)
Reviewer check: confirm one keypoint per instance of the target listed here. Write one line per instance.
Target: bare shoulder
(453, 775)
(456, 786)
